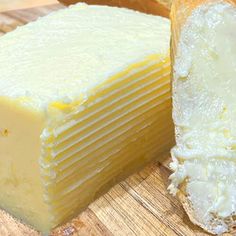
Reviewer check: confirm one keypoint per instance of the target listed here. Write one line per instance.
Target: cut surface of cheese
(204, 94)
(156, 7)
(85, 101)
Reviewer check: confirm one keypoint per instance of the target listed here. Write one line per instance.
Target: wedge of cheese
(156, 7)
(204, 95)
(84, 102)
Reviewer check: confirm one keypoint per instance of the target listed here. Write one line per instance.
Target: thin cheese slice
(204, 94)
(85, 101)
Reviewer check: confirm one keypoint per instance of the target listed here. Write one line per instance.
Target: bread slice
(156, 7)
(204, 95)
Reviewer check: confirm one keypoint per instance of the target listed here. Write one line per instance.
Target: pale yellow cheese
(85, 101)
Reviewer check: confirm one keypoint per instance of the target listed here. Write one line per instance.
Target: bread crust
(155, 7)
(180, 11)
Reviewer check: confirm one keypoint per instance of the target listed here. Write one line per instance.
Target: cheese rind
(114, 43)
(93, 108)
(155, 7)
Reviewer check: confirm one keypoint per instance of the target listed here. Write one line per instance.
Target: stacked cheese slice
(85, 101)
(204, 95)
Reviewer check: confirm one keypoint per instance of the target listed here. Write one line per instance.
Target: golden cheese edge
(156, 7)
(180, 11)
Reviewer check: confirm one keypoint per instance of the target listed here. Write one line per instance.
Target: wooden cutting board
(6, 5)
(139, 206)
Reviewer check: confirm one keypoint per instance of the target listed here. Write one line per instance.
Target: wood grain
(139, 206)
(6, 5)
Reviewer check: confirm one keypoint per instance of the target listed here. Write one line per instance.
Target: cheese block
(204, 93)
(156, 7)
(84, 102)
